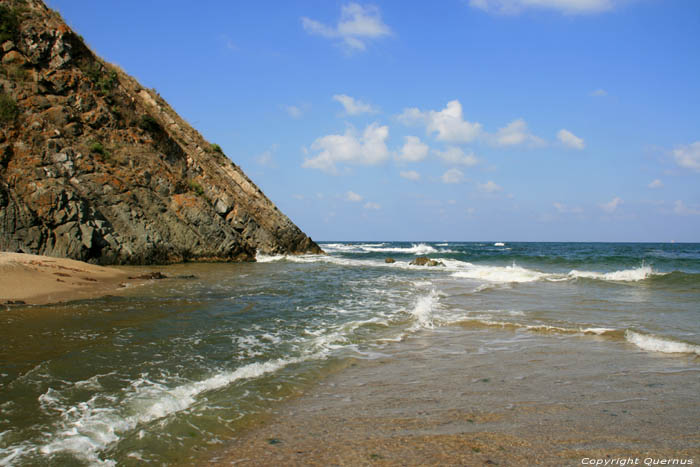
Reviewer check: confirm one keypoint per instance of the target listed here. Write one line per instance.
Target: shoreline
(555, 402)
(41, 280)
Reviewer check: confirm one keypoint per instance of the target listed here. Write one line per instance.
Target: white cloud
(353, 197)
(413, 150)
(688, 156)
(681, 209)
(564, 209)
(611, 205)
(598, 93)
(515, 133)
(293, 111)
(349, 148)
(562, 6)
(266, 158)
(570, 139)
(371, 205)
(455, 155)
(448, 123)
(452, 176)
(489, 187)
(410, 175)
(357, 26)
(656, 184)
(353, 106)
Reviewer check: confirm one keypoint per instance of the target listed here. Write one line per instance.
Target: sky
(457, 120)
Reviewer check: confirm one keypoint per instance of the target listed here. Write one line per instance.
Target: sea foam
(625, 275)
(660, 344)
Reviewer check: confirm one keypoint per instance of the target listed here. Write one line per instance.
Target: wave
(542, 328)
(660, 344)
(503, 274)
(625, 275)
(415, 248)
(89, 427)
(423, 311)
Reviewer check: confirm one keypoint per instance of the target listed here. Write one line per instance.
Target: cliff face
(94, 167)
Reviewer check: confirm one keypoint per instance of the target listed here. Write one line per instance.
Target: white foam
(633, 275)
(504, 274)
(89, 427)
(423, 310)
(660, 344)
(597, 331)
(499, 244)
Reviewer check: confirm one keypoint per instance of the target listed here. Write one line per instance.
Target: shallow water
(166, 371)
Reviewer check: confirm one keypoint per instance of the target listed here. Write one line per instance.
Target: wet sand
(489, 397)
(36, 280)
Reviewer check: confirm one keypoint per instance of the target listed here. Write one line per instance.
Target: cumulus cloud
(455, 155)
(572, 7)
(413, 150)
(571, 140)
(611, 205)
(488, 187)
(688, 156)
(353, 106)
(681, 209)
(448, 123)
(410, 175)
(357, 26)
(564, 209)
(656, 184)
(353, 197)
(372, 205)
(452, 176)
(516, 133)
(369, 148)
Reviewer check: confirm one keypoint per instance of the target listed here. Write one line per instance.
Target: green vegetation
(196, 187)
(149, 124)
(8, 108)
(9, 24)
(97, 148)
(216, 148)
(104, 81)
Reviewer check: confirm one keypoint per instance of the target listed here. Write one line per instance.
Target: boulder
(425, 261)
(390, 260)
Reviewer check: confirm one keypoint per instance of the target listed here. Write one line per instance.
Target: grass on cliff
(9, 24)
(8, 108)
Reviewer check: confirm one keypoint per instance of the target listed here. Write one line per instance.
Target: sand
(35, 280)
(439, 401)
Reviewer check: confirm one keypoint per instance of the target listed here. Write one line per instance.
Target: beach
(436, 400)
(504, 353)
(35, 280)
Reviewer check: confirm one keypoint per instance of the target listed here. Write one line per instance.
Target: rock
(13, 57)
(424, 261)
(390, 260)
(151, 275)
(80, 177)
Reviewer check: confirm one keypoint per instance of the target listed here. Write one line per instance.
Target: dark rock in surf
(424, 261)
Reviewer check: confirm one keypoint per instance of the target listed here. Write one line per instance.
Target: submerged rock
(424, 261)
(96, 168)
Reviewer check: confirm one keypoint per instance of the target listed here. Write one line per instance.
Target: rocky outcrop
(96, 168)
(424, 261)
(389, 260)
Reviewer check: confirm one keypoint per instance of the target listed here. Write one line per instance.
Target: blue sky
(533, 120)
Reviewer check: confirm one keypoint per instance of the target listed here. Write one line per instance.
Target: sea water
(167, 371)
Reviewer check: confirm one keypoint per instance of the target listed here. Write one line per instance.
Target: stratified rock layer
(96, 168)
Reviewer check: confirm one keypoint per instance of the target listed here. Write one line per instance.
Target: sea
(171, 370)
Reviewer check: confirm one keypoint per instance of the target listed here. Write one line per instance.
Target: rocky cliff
(94, 167)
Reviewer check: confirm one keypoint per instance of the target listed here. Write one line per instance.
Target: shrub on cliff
(8, 108)
(9, 24)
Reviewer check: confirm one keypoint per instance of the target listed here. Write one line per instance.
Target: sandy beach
(545, 403)
(35, 280)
